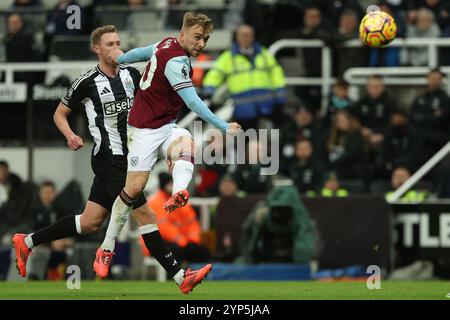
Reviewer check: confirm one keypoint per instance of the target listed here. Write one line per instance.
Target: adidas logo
(105, 91)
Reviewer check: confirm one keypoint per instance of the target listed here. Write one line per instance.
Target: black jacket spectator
(8, 179)
(19, 46)
(332, 10)
(346, 58)
(374, 112)
(249, 178)
(313, 29)
(303, 126)
(430, 115)
(346, 149)
(304, 170)
(57, 20)
(402, 144)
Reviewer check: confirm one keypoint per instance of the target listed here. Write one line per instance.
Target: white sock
(181, 174)
(29, 241)
(179, 277)
(119, 215)
(78, 223)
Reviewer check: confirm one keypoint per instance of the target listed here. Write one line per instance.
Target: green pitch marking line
(226, 290)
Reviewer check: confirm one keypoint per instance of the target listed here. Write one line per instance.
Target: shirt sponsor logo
(114, 107)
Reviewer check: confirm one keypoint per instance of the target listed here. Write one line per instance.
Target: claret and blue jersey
(165, 86)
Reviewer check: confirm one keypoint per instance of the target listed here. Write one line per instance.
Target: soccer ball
(377, 29)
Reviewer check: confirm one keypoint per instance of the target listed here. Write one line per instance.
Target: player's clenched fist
(75, 142)
(233, 128)
(115, 55)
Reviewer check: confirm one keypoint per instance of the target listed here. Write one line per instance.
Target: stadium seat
(104, 16)
(35, 20)
(49, 4)
(3, 22)
(161, 274)
(144, 21)
(69, 48)
(85, 3)
(208, 3)
(6, 4)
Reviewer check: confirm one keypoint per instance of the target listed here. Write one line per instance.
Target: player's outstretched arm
(135, 55)
(193, 102)
(74, 142)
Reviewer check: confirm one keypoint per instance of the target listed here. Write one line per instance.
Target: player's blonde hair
(97, 33)
(192, 18)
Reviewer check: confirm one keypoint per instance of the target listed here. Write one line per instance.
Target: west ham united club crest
(134, 161)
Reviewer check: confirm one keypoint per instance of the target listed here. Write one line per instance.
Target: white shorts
(146, 145)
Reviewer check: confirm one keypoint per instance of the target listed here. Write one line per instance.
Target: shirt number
(149, 72)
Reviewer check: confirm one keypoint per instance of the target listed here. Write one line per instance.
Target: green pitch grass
(226, 290)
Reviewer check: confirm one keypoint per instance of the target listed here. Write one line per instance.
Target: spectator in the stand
(348, 30)
(424, 26)
(402, 144)
(440, 8)
(313, 28)
(19, 45)
(180, 229)
(26, 3)
(346, 149)
(374, 110)
(305, 171)
(399, 176)
(332, 10)
(430, 113)
(332, 187)
(248, 176)
(339, 100)
(57, 20)
(48, 260)
(9, 181)
(254, 79)
(304, 125)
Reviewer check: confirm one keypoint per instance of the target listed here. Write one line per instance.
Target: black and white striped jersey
(107, 102)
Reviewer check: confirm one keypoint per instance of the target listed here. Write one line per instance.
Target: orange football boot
(178, 200)
(22, 253)
(194, 277)
(102, 262)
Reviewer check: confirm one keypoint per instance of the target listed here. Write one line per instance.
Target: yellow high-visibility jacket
(412, 196)
(256, 84)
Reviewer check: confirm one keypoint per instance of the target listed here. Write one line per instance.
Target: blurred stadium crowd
(369, 145)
